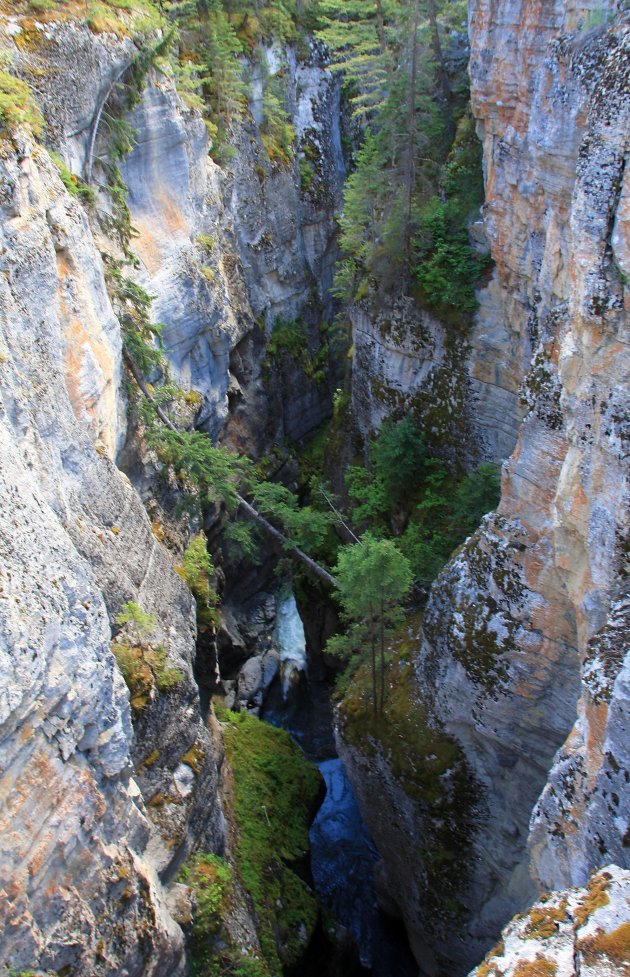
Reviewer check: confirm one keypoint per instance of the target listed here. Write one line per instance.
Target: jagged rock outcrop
(576, 931)
(97, 816)
(405, 360)
(464, 390)
(80, 855)
(517, 639)
(226, 252)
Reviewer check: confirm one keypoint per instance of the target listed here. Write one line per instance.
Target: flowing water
(343, 854)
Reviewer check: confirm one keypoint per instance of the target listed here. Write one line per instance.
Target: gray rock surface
(572, 931)
(77, 544)
(526, 629)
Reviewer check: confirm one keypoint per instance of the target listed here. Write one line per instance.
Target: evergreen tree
(358, 34)
(222, 69)
(372, 578)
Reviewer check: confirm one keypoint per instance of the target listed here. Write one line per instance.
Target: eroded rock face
(518, 638)
(405, 361)
(227, 251)
(582, 931)
(80, 855)
(97, 814)
(463, 390)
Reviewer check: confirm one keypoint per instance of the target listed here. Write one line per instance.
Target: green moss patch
(418, 754)
(429, 767)
(275, 794)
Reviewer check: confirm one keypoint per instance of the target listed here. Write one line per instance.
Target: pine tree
(372, 578)
(222, 69)
(357, 33)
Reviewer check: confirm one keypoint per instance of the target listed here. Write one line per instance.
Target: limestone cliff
(227, 251)
(527, 627)
(575, 931)
(77, 544)
(97, 814)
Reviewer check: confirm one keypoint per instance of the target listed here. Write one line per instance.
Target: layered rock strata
(80, 855)
(526, 627)
(98, 815)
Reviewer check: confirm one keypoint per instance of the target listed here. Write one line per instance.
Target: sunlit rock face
(580, 930)
(526, 629)
(226, 251)
(99, 815)
(80, 856)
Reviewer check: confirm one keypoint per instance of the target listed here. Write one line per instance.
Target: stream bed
(343, 854)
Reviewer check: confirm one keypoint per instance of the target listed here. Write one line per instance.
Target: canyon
(519, 667)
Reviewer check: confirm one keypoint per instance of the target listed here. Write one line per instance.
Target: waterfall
(291, 641)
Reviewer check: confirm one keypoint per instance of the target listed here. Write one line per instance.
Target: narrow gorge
(314, 632)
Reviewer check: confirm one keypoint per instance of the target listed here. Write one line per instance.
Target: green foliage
(371, 575)
(362, 47)
(276, 131)
(307, 174)
(196, 570)
(372, 578)
(166, 677)
(188, 84)
(440, 508)
(206, 241)
(72, 183)
(142, 338)
(18, 108)
(139, 623)
(427, 764)
(211, 955)
(397, 454)
(222, 70)
(242, 540)
(304, 526)
(290, 338)
(142, 665)
(144, 670)
(396, 457)
(210, 877)
(215, 473)
(448, 268)
(275, 792)
(477, 493)
(419, 150)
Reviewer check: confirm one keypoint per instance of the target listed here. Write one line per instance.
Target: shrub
(138, 622)
(210, 877)
(206, 241)
(448, 269)
(72, 183)
(306, 175)
(196, 570)
(142, 666)
(18, 108)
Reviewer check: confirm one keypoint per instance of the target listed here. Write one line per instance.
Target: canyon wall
(99, 814)
(78, 845)
(525, 632)
(519, 673)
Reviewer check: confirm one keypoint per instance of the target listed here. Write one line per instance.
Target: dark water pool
(343, 854)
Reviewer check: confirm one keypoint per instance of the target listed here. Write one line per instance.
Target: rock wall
(226, 251)
(80, 855)
(526, 628)
(98, 814)
(575, 931)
